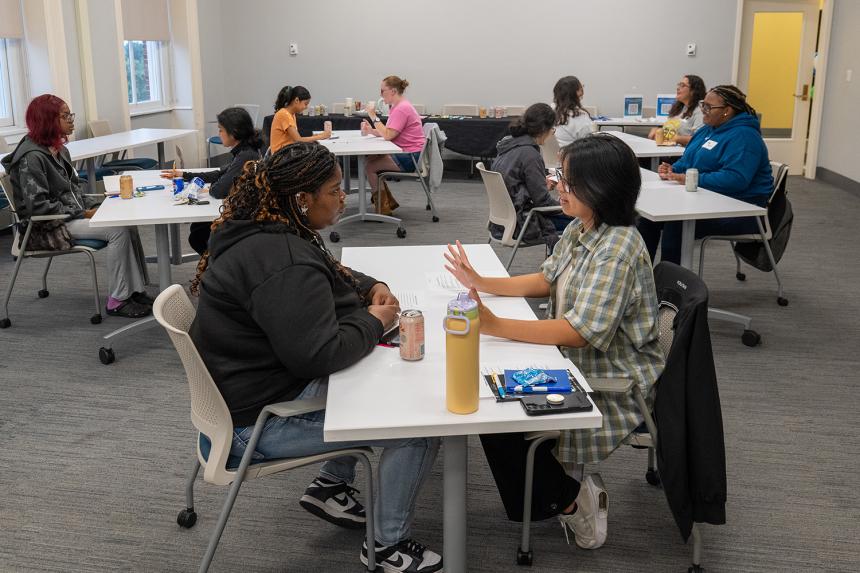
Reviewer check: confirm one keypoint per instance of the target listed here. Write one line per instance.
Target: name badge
(710, 144)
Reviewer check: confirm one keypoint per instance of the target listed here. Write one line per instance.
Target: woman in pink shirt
(403, 128)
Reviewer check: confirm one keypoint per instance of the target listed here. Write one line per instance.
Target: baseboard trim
(845, 183)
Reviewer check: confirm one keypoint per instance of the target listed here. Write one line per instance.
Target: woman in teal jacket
(732, 159)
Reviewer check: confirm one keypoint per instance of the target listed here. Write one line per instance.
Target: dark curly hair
(537, 120)
(565, 94)
(697, 94)
(266, 192)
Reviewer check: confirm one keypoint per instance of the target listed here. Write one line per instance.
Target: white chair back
(419, 107)
(514, 110)
(649, 111)
(99, 127)
(591, 110)
(502, 210)
(459, 109)
(665, 331)
(253, 110)
(4, 145)
(549, 150)
(209, 413)
(180, 159)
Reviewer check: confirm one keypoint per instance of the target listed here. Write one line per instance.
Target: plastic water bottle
(193, 189)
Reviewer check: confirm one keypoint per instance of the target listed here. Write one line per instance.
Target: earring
(304, 209)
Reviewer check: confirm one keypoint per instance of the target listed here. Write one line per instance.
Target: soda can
(411, 335)
(178, 185)
(692, 179)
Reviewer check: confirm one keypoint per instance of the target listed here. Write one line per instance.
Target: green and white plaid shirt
(610, 299)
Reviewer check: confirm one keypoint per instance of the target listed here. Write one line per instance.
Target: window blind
(145, 20)
(10, 19)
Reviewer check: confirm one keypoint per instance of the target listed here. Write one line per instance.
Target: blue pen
(531, 389)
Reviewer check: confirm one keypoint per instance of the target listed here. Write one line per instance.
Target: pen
(530, 389)
(499, 386)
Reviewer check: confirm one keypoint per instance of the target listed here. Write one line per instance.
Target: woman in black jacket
(236, 129)
(278, 314)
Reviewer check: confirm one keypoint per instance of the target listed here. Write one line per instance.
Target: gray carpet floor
(94, 456)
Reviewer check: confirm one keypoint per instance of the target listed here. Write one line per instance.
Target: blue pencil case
(560, 383)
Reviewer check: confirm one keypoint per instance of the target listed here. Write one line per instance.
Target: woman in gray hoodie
(46, 183)
(520, 162)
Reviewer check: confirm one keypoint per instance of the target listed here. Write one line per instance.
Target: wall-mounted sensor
(691, 49)
(294, 49)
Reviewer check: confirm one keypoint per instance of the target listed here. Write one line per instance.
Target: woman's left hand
(380, 294)
(488, 319)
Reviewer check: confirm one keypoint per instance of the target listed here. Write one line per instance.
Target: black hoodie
(273, 316)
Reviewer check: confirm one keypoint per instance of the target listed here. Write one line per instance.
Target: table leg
(160, 147)
(162, 250)
(347, 175)
(362, 192)
(175, 245)
(655, 164)
(688, 239)
(90, 162)
(455, 453)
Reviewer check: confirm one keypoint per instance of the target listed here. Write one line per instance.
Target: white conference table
(155, 208)
(351, 143)
(90, 149)
(383, 396)
(670, 201)
(644, 147)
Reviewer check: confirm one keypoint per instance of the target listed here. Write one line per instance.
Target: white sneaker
(589, 522)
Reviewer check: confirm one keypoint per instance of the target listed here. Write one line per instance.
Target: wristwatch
(373, 120)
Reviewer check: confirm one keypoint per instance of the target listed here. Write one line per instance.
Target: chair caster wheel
(5, 323)
(652, 477)
(435, 219)
(334, 237)
(695, 569)
(782, 301)
(751, 338)
(524, 557)
(96, 319)
(106, 355)
(401, 233)
(187, 518)
(741, 276)
(43, 293)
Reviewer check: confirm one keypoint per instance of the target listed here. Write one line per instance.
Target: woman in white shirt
(685, 117)
(572, 121)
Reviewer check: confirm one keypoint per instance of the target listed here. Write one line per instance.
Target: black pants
(552, 491)
(198, 237)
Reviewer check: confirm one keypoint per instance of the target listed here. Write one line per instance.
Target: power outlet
(691, 49)
(294, 49)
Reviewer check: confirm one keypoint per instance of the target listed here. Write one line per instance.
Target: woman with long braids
(278, 314)
(732, 159)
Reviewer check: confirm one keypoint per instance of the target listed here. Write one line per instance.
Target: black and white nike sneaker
(408, 556)
(335, 502)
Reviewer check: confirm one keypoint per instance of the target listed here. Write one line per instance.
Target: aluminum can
(126, 187)
(692, 179)
(178, 185)
(411, 335)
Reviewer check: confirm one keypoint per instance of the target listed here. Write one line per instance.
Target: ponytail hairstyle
(290, 93)
(697, 94)
(266, 192)
(537, 120)
(238, 123)
(734, 98)
(397, 84)
(565, 94)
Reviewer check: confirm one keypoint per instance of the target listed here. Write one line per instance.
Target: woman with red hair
(46, 183)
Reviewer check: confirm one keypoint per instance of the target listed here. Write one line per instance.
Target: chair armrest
(56, 217)
(611, 385)
(547, 209)
(296, 407)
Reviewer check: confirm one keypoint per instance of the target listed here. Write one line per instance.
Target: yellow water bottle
(462, 342)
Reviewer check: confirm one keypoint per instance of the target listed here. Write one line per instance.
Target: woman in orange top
(291, 102)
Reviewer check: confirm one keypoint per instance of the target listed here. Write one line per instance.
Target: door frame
(811, 164)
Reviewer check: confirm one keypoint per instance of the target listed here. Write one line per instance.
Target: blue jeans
(403, 465)
(406, 161)
(671, 247)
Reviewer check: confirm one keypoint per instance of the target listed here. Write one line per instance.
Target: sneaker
(335, 502)
(130, 309)
(142, 298)
(408, 556)
(589, 521)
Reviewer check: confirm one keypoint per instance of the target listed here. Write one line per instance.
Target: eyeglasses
(563, 186)
(706, 107)
(682, 85)
(67, 116)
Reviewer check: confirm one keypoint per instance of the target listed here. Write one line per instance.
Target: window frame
(158, 68)
(13, 85)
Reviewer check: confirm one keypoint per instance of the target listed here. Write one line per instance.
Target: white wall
(476, 51)
(840, 124)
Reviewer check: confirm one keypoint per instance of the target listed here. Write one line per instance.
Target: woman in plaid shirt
(602, 314)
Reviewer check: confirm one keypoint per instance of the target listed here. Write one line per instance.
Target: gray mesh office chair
(210, 415)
